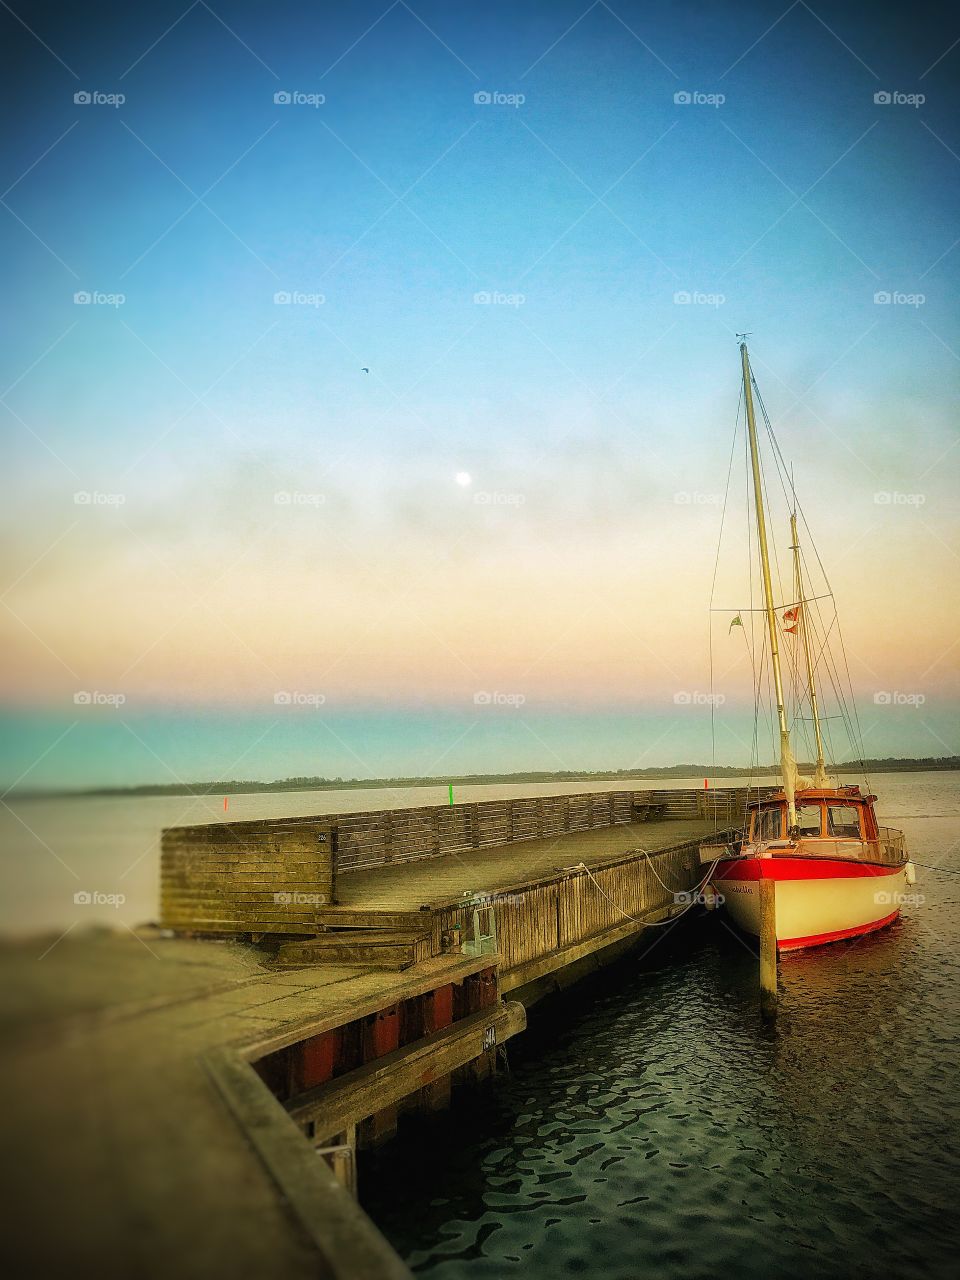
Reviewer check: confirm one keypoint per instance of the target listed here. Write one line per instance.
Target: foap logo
(299, 899)
(499, 499)
(894, 498)
(894, 98)
(94, 98)
(693, 298)
(295, 698)
(691, 498)
(894, 298)
(895, 698)
(494, 98)
(296, 498)
(296, 298)
(495, 699)
(694, 98)
(296, 98)
(694, 698)
(684, 898)
(491, 298)
(93, 498)
(484, 900)
(94, 298)
(894, 898)
(97, 698)
(94, 898)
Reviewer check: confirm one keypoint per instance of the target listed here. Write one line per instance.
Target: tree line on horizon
(887, 764)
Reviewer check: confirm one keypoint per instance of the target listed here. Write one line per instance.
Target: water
(51, 849)
(652, 1126)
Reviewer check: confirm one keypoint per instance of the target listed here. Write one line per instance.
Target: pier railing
(278, 875)
(403, 835)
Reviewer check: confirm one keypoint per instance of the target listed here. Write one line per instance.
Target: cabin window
(844, 821)
(808, 819)
(767, 825)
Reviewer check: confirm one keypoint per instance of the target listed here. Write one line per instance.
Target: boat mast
(820, 778)
(788, 768)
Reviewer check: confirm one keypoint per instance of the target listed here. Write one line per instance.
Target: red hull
(838, 935)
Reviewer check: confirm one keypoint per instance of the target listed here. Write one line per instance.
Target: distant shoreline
(235, 787)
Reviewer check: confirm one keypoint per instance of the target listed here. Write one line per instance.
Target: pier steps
(391, 949)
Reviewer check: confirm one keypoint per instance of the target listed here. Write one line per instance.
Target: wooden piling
(768, 947)
(436, 1095)
(377, 1129)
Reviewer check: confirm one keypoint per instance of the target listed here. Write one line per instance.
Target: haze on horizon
(404, 450)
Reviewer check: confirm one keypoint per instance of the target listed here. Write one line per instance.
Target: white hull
(814, 910)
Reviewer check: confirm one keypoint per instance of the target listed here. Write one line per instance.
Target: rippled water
(651, 1125)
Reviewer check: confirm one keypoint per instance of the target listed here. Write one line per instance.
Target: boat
(838, 873)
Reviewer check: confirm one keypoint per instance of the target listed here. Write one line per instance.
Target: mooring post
(768, 947)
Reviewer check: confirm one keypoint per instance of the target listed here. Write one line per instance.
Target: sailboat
(838, 873)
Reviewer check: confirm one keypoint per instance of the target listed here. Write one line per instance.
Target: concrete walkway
(121, 1156)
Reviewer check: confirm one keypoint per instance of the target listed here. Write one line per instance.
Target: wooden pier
(313, 981)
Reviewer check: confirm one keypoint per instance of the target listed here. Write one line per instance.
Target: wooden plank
(393, 955)
(366, 994)
(767, 889)
(387, 1080)
(343, 917)
(553, 962)
(347, 1241)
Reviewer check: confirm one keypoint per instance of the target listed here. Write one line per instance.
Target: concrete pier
(189, 1100)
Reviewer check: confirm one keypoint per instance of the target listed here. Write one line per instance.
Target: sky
(370, 374)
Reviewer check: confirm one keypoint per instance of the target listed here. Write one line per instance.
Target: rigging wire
(713, 585)
(848, 710)
(854, 730)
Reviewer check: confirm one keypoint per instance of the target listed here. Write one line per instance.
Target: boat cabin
(837, 813)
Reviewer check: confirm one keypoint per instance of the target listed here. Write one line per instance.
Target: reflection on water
(651, 1126)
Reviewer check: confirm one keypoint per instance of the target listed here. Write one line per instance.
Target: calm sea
(651, 1126)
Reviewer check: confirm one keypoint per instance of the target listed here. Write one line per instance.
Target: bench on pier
(649, 810)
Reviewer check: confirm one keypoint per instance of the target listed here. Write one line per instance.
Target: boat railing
(892, 844)
(887, 850)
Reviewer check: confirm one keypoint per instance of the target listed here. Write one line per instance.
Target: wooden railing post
(386, 827)
(767, 889)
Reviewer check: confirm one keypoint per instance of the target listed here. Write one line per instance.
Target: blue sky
(783, 199)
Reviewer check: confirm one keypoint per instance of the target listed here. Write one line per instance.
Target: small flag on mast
(791, 620)
(737, 622)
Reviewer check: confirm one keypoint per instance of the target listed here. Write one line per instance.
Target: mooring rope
(582, 866)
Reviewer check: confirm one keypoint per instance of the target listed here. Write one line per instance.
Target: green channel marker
(451, 792)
